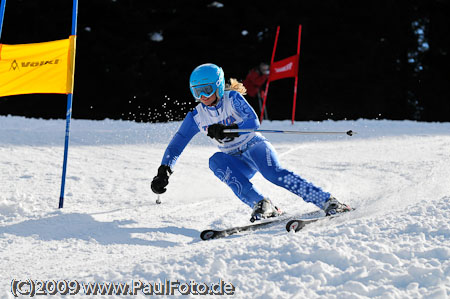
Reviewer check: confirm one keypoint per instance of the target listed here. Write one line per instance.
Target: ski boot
(264, 209)
(332, 207)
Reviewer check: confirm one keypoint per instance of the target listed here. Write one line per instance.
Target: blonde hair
(236, 86)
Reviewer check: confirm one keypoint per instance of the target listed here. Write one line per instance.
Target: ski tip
(207, 234)
(295, 225)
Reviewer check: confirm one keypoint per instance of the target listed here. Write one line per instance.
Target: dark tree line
(359, 59)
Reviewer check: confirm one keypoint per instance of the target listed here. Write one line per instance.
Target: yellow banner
(37, 68)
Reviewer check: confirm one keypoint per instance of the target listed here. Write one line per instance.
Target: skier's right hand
(161, 180)
(216, 131)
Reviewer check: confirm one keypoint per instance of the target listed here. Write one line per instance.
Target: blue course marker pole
(68, 113)
(2, 14)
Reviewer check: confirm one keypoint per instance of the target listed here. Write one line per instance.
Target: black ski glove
(216, 131)
(161, 180)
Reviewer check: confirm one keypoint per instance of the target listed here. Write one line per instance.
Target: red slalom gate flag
(285, 68)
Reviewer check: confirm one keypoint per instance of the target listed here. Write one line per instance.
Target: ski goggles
(206, 90)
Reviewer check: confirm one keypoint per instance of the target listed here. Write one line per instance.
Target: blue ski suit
(240, 157)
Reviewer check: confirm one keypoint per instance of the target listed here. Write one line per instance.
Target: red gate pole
(296, 76)
(268, 80)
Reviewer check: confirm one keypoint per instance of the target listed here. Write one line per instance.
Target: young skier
(241, 155)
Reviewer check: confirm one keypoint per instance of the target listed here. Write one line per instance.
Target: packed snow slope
(395, 245)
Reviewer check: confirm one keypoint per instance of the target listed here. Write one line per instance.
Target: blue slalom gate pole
(66, 148)
(2, 14)
(68, 113)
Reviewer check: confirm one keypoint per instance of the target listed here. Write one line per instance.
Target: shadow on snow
(85, 227)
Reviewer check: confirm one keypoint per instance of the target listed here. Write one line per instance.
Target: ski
(294, 223)
(298, 224)
(216, 234)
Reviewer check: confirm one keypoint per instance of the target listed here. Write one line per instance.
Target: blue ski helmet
(206, 79)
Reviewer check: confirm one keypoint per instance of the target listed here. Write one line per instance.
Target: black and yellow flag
(37, 68)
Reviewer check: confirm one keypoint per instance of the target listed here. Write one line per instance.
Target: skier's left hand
(216, 131)
(161, 180)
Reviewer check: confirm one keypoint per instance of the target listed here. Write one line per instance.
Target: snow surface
(395, 245)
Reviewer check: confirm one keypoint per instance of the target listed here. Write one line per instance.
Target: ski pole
(349, 133)
(158, 200)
